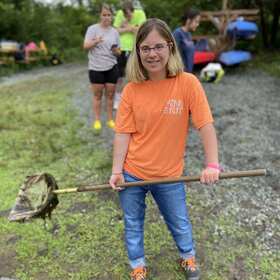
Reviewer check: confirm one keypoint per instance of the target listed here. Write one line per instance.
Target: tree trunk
(263, 23)
(225, 5)
(80, 2)
(275, 23)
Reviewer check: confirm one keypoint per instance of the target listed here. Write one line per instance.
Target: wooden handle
(223, 175)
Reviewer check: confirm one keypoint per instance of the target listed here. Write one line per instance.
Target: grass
(268, 61)
(40, 133)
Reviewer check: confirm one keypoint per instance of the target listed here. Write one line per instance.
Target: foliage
(172, 11)
(267, 61)
(165, 11)
(63, 27)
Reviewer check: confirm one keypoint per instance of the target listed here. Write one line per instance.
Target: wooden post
(225, 3)
(220, 20)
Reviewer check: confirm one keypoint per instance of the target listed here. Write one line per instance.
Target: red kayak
(203, 57)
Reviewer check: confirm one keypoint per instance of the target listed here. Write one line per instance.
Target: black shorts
(122, 60)
(104, 77)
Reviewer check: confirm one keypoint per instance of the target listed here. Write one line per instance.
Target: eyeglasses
(158, 48)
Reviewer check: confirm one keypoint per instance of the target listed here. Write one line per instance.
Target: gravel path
(246, 107)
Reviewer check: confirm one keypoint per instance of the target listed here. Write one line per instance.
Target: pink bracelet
(215, 166)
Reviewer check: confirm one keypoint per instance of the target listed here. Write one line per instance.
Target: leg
(122, 60)
(119, 85)
(171, 200)
(97, 80)
(118, 93)
(111, 78)
(97, 98)
(110, 91)
(133, 205)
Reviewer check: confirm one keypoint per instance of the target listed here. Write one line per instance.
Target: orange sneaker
(139, 273)
(190, 268)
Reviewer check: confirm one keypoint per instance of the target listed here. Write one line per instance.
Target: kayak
(242, 29)
(203, 57)
(234, 57)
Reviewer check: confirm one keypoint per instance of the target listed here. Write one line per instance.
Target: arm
(209, 140)
(176, 35)
(135, 28)
(121, 143)
(125, 28)
(121, 24)
(115, 48)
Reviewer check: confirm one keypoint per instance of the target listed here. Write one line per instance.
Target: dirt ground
(246, 108)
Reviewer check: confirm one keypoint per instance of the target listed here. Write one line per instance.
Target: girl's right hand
(116, 179)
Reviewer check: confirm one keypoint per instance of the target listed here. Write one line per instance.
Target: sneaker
(220, 74)
(139, 273)
(97, 125)
(111, 124)
(190, 268)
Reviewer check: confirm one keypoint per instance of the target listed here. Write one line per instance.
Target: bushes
(63, 27)
(60, 27)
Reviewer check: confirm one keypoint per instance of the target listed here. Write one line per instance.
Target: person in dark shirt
(183, 37)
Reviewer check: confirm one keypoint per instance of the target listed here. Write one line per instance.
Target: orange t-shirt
(156, 114)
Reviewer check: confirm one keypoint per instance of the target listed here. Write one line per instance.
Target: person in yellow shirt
(150, 138)
(127, 21)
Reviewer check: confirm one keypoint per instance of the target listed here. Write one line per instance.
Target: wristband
(215, 166)
(117, 173)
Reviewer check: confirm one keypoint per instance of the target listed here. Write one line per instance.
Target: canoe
(242, 29)
(234, 57)
(203, 57)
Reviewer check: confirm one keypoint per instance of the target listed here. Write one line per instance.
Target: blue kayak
(242, 29)
(234, 57)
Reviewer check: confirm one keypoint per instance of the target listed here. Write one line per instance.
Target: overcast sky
(54, 1)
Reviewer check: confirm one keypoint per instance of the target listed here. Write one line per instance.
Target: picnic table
(7, 56)
(12, 54)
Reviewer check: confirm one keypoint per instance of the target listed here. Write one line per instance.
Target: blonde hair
(135, 72)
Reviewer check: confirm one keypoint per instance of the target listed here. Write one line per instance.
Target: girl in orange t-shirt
(150, 136)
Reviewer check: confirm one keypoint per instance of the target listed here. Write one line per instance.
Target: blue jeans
(171, 200)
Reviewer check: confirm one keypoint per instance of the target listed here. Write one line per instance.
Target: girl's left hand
(116, 50)
(209, 175)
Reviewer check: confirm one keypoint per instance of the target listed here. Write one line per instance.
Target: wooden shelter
(220, 19)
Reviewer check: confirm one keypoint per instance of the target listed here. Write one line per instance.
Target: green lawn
(40, 132)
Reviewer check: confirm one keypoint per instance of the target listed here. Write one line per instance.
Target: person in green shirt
(127, 21)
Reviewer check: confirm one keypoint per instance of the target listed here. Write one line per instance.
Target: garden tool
(38, 195)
